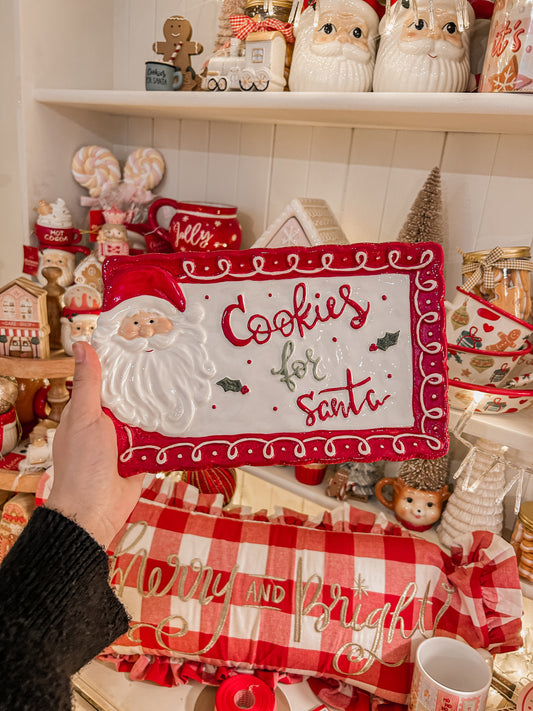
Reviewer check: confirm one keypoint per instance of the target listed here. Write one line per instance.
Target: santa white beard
(67, 271)
(158, 391)
(407, 66)
(331, 66)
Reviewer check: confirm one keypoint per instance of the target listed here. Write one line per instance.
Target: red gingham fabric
(345, 596)
(242, 26)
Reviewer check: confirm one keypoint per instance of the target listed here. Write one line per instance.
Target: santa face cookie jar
(335, 46)
(200, 226)
(425, 47)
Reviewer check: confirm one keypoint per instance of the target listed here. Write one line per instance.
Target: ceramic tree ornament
(425, 47)
(270, 356)
(335, 46)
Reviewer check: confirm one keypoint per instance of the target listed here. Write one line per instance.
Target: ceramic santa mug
(197, 226)
(449, 675)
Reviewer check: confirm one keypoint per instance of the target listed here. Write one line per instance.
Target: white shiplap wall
(369, 177)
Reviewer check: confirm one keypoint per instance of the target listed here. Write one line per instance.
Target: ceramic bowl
(491, 400)
(480, 367)
(478, 324)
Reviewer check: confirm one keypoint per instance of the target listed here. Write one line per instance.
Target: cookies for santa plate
(275, 356)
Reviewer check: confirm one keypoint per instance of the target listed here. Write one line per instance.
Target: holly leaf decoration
(388, 340)
(230, 385)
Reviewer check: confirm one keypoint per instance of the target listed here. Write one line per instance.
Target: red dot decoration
(275, 409)
(245, 389)
(206, 297)
(249, 362)
(213, 407)
(389, 375)
(384, 297)
(373, 347)
(334, 339)
(317, 296)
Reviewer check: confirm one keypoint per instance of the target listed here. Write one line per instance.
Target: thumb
(85, 399)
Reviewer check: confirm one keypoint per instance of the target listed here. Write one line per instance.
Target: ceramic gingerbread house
(304, 222)
(24, 329)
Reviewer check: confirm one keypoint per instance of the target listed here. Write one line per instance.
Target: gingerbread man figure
(178, 48)
(507, 341)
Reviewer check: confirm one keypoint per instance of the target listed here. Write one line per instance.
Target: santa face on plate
(157, 367)
(335, 47)
(424, 51)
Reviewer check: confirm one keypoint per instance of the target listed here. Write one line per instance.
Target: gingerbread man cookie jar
(177, 49)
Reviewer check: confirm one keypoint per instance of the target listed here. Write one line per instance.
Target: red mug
(197, 226)
(56, 236)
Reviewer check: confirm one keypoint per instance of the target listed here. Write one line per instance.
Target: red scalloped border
(422, 262)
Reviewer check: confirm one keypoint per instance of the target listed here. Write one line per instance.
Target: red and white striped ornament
(215, 480)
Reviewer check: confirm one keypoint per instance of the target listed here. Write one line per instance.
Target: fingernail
(78, 352)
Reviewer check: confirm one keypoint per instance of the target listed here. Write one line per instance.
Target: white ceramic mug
(449, 675)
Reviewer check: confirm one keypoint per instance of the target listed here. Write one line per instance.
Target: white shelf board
(514, 430)
(465, 113)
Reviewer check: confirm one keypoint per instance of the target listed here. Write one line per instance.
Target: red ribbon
(242, 25)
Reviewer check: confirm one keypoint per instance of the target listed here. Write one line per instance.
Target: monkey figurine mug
(416, 509)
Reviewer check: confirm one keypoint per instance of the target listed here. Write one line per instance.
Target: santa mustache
(158, 342)
(437, 48)
(334, 48)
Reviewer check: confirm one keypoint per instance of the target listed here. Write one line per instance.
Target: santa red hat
(378, 7)
(73, 249)
(135, 282)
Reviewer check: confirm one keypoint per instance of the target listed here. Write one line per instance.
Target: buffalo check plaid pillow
(346, 597)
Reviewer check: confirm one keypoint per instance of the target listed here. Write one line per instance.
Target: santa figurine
(156, 369)
(79, 315)
(425, 46)
(113, 236)
(335, 46)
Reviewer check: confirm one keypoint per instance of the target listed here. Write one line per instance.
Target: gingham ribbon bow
(482, 272)
(242, 25)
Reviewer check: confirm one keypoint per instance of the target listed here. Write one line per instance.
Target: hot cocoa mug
(449, 675)
(162, 77)
(56, 236)
(197, 226)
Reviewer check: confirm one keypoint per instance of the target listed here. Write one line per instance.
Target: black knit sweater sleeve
(57, 612)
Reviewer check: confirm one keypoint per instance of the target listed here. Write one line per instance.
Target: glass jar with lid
(522, 540)
(278, 9)
(501, 276)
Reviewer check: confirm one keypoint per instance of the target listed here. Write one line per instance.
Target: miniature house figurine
(24, 329)
(305, 222)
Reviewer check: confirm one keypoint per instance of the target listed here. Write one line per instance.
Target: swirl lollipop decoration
(94, 168)
(98, 170)
(145, 167)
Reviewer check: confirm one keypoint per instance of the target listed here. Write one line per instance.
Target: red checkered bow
(242, 25)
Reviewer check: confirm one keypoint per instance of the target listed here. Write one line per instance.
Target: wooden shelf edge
(464, 113)
(21, 483)
(58, 366)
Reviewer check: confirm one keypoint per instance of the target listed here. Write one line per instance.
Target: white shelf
(465, 113)
(514, 430)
